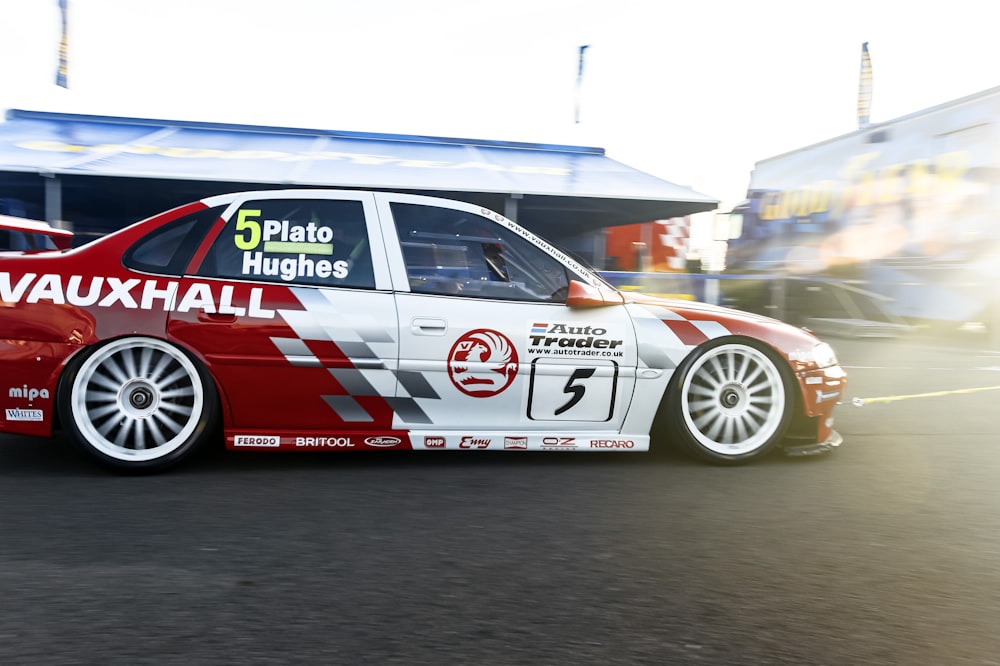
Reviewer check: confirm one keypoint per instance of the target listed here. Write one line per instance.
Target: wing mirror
(587, 296)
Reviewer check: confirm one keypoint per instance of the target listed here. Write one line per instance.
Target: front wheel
(730, 402)
(137, 404)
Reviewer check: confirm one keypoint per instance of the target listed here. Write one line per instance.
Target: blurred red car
(24, 235)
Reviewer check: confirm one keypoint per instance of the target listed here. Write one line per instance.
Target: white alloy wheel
(733, 401)
(138, 403)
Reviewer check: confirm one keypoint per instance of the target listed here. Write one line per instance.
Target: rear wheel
(730, 402)
(138, 404)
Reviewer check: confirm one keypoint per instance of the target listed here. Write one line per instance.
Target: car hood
(784, 337)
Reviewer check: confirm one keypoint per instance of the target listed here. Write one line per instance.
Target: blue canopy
(551, 184)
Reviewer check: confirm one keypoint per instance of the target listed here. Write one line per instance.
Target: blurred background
(834, 164)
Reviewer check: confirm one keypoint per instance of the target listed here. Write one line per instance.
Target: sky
(693, 92)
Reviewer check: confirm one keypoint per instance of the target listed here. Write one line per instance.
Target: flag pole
(579, 82)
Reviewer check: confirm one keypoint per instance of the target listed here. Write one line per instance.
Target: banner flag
(865, 88)
(62, 74)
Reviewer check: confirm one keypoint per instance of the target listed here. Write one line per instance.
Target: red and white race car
(313, 319)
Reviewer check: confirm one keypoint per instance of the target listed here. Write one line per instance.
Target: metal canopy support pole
(510, 206)
(600, 257)
(53, 202)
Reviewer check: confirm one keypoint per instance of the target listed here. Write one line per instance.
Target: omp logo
(25, 415)
(29, 393)
(434, 442)
(383, 441)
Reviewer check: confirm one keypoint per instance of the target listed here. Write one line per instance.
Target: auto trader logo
(573, 340)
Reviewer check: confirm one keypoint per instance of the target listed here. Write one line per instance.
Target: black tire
(138, 404)
(729, 402)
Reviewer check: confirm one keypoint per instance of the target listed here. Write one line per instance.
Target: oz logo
(482, 363)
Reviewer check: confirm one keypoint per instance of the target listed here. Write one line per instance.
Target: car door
(489, 351)
(298, 321)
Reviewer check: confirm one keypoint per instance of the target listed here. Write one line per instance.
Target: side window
(168, 249)
(453, 252)
(320, 242)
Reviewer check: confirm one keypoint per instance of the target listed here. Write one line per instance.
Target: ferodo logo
(269, 441)
(383, 441)
(612, 444)
(131, 294)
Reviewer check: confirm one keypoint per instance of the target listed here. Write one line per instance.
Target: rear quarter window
(168, 249)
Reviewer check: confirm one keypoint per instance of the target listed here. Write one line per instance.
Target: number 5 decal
(591, 390)
(576, 389)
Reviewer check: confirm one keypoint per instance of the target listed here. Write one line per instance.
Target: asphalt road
(885, 552)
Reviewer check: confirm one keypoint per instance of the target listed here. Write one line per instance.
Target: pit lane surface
(887, 551)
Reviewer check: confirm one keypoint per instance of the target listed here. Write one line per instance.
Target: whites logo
(25, 415)
(383, 441)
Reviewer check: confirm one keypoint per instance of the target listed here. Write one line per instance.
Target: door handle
(428, 326)
(216, 317)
